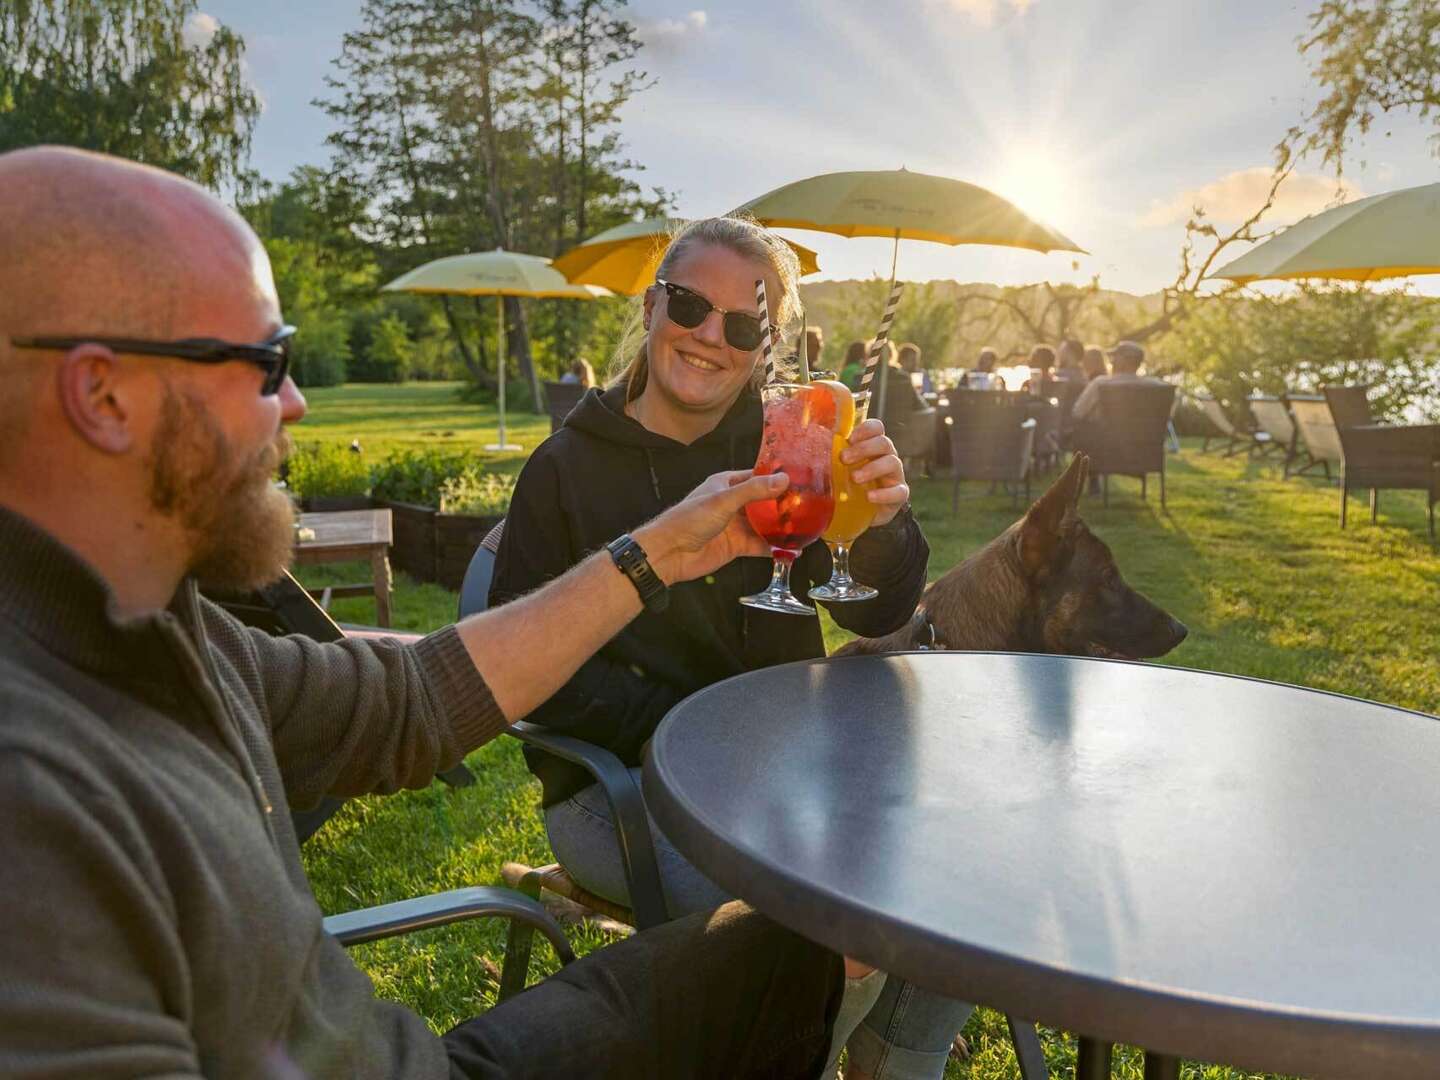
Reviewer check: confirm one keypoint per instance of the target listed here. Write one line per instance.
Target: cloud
(985, 12)
(1237, 195)
(199, 29)
(670, 35)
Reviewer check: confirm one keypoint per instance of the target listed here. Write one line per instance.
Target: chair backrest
(991, 435)
(1349, 406)
(1064, 391)
(916, 437)
(1216, 414)
(1317, 427)
(1134, 419)
(560, 398)
(475, 588)
(1273, 418)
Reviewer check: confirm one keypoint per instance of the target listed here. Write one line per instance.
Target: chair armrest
(441, 909)
(1383, 443)
(632, 823)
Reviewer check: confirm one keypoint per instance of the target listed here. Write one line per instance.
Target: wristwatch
(630, 559)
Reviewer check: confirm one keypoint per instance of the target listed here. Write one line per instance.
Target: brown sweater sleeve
(354, 717)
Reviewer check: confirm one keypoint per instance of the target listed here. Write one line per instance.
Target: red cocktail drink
(799, 430)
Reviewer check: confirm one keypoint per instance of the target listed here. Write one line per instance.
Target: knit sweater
(156, 919)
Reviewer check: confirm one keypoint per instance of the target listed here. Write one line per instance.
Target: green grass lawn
(1256, 566)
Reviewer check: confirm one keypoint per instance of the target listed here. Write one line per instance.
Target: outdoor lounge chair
(1381, 456)
(1317, 432)
(915, 439)
(1127, 437)
(992, 437)
(1237, 438)
(1274, 418)
(560, 398)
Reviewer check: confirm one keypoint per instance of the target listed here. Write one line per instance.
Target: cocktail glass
(797, 440)
(853, 514)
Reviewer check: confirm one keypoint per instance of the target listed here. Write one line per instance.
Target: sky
(1105, 118)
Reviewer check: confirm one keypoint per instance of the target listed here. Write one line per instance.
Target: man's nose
(292, 402)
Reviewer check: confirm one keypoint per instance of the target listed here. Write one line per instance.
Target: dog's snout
(1179, 630)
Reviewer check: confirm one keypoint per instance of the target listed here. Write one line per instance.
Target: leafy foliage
(327, 470)
(419, 475)
(476, 492)
(1321, 334)
(132, 78)
(1371, 57)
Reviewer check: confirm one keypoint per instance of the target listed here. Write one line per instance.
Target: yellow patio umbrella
(903, 205)
(497, 273)
(624, 259)
(1395, 234)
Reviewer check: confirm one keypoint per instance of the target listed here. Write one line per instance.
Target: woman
(580, 372)
(855, 354)
(684, 406)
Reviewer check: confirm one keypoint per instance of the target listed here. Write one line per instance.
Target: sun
(1035, 180)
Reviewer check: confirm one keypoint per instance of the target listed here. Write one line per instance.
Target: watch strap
(630, 559)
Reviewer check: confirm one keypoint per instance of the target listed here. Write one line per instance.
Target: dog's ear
(1043, 526)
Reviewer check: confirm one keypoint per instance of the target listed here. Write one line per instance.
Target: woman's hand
(871, 456)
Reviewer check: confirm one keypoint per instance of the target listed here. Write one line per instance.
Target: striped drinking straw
(765, 343)
(873, 360)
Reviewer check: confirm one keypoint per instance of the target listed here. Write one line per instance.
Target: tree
(132, 78)
(472, 124)
(1371, 57)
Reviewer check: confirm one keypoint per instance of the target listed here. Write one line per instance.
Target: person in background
(814, 346)
(982, 376)
(855, 354)
(1126, 359)
(1094, 364)
(910, 362)
(1069, 360)
(1042, 360)
(580, 372)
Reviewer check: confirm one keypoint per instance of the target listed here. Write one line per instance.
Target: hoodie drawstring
(654, 477)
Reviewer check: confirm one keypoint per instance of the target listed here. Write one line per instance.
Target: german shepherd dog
(1047, 584)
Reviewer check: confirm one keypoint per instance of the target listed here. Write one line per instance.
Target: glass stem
(840, 556)
(780, 576)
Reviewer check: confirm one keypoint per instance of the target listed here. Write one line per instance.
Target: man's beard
(241, 527)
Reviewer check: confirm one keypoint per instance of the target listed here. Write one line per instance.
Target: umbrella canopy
(491, 273)
(624, 259)
(1391, 235)
(904, 205)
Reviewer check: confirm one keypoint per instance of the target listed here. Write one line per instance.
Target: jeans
(721, 993)
(905, 1036)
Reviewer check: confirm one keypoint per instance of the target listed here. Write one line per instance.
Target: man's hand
(707, 529)
(871, 456)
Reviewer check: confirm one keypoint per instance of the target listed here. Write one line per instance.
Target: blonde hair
(743, 236)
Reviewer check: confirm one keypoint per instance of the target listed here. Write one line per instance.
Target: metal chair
(560, 398)
(627, 808)
(992, 437)
(1237, 438)
(1128, 436)
(1274, 418)
(1316, 428)
(1380, 456)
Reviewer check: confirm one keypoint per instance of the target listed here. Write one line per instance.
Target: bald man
(157, 921)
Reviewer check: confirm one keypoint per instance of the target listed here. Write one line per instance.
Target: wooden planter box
(413, 545)
(456, 538)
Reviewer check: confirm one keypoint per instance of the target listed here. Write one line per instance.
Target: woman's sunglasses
(271, 356)
(689, 309)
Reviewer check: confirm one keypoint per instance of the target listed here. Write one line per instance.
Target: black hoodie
(601, 475)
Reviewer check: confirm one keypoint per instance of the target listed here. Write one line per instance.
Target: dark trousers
(726, 993)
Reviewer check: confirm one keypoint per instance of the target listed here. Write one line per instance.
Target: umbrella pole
(500, 373)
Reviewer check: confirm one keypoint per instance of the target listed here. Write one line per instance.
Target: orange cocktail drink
(853, 509)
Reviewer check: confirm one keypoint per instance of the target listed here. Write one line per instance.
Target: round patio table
(1206, 866)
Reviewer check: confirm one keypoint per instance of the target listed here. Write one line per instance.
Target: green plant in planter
(484, 494)
(417, 476)
(327, 470)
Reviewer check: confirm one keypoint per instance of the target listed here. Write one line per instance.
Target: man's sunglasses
(689, 309)
(271, 356)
